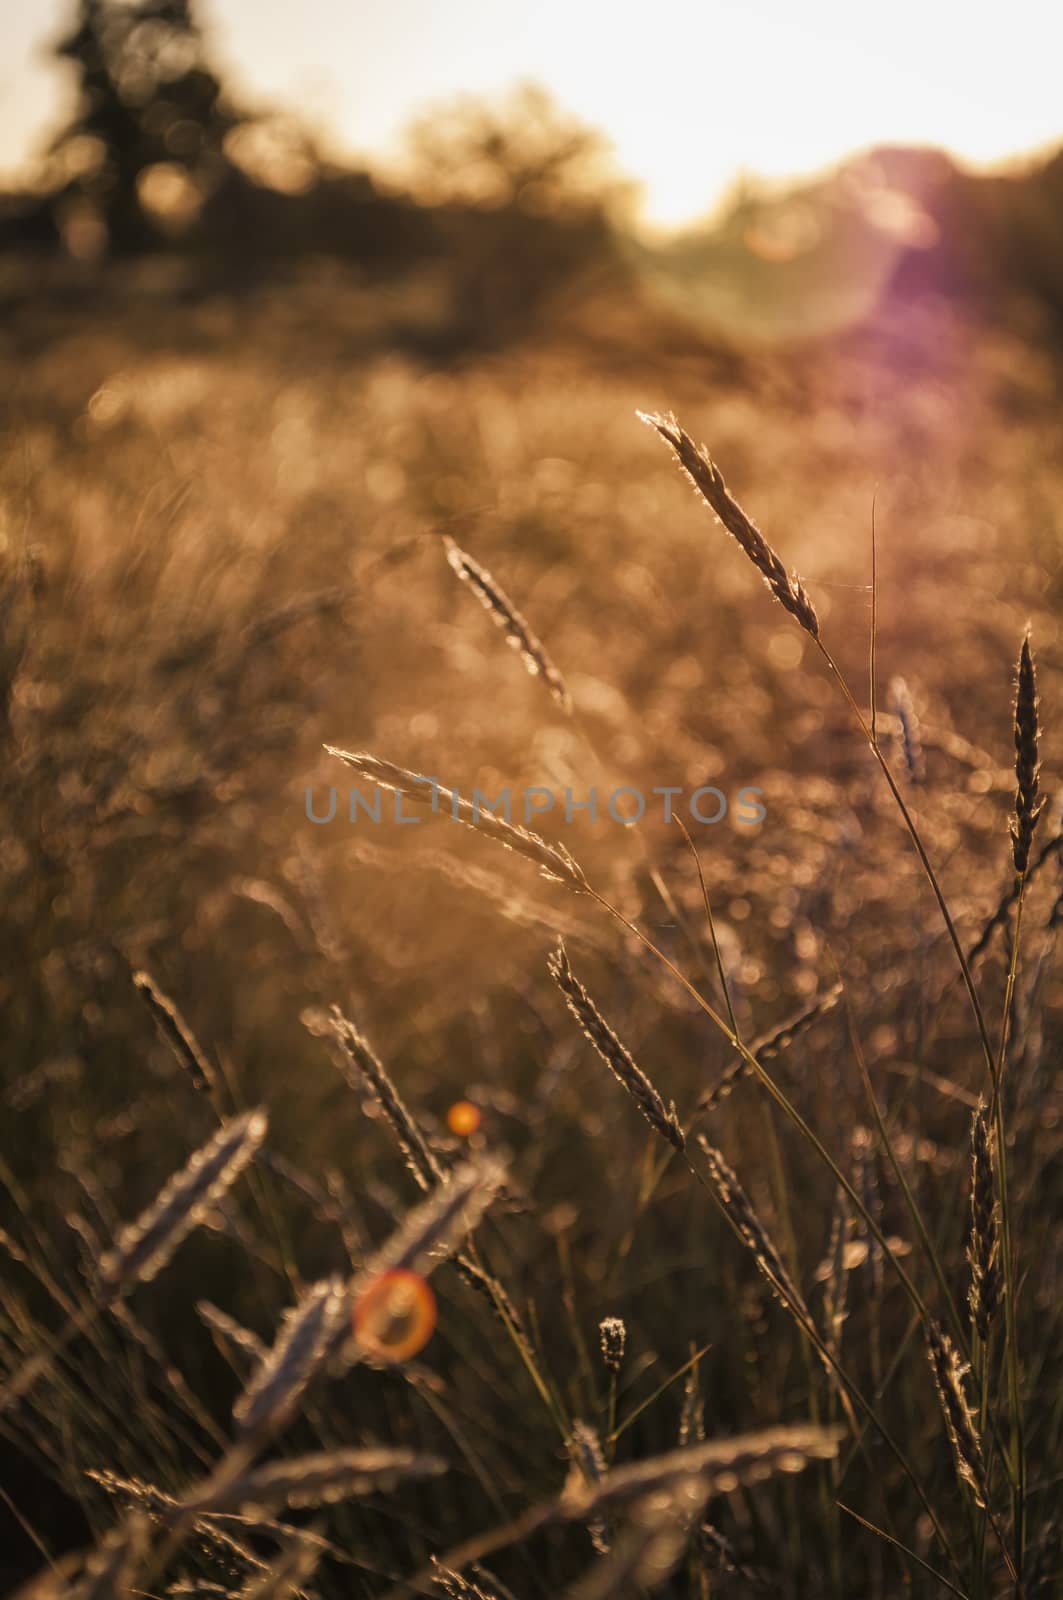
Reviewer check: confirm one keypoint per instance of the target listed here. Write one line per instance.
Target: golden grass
(208, 615)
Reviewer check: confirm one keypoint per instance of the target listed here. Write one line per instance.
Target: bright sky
(691, 92)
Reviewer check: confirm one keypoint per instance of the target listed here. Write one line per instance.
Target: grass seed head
(364, 1070)
(663, 1120)
(178, 1035)
(769, 1047)
(717, 1467)
(301, 1347)
(613, 1335)
(145, 1246)
(321, 1479)
(908, 721)
(949, 1378)
(520, 636)
(739, 1208)
(553, 860)
(431, 1231)
(983, 1238)
(707, 478)
(1028, 805)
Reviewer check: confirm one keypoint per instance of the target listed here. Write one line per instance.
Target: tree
(146, 100)
(523, 152)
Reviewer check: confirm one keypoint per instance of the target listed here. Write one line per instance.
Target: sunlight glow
(691, 95)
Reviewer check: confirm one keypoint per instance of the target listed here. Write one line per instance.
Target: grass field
(222, 541)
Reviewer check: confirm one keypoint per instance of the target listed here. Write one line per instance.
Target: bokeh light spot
(464, 1119)
(395, 1316)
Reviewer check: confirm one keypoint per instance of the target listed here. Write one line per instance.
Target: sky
(692, 93)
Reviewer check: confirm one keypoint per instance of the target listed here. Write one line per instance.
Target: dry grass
(627, 1072)
(216, 563)
(145, 1247)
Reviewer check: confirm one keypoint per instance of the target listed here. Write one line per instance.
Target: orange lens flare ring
(395, 1316)
(463, 1119)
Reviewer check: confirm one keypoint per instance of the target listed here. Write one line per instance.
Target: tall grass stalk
(1028, 807)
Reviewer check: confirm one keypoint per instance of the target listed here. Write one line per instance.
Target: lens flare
(464, 1118)
(395, 1316)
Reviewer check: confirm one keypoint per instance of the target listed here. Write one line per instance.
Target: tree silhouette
(146, 99)
(522, 151)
